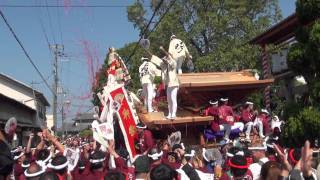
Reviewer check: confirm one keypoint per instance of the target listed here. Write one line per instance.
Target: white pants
(258, 123)
(148, 93)
(172, 101)
(248, 126)
(179, 64)
(237, 125)
(227, 128)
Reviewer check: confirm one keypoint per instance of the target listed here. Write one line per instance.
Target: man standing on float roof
(179, 52)
(147, 73)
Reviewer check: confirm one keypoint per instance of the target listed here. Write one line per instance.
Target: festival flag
(127, 117)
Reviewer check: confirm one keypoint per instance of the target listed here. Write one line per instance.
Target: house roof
(20, 104)
(280, 32)
(38, 94)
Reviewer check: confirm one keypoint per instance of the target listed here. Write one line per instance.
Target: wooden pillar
(266, 75)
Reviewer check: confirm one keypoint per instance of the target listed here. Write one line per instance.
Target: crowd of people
(47, 159)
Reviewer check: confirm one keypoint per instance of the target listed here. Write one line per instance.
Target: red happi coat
(225, 111)
(247, 116)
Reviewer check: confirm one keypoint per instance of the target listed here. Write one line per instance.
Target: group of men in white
(168, 67)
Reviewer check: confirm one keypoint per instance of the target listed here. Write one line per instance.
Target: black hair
(162, 172)
(43, 154)
(190, 172)
(94, 156)
(59, 160)
(114, 175)
(122, 152)
(49, 176)
(240, 161)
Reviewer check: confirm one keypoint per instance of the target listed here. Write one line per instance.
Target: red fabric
(146, 141)
(127, 122)
(214, 126)
(247, 176)
(123, 168)
(77, 175)
(225, 111)
(247, 116)
(265, 121)
(18, 170)
(95, 175)
(212, 111)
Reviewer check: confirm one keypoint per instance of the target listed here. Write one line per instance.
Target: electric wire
(25, 52)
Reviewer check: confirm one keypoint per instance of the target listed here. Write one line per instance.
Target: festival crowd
(262, 158)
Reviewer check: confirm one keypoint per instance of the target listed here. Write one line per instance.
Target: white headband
(204, 154)
(82, 167)
(224, 99)
(258, 148)
(213, 102)
(192, 153)
(25, 165)
(240, 153)
(94, 161)
(43, 169)
(19, 156)
(142, 127)
(155, 156)
(58, 167)
(249, 103)
(264, 111)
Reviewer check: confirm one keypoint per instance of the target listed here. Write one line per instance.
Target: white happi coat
(147, 72)
(169, 74)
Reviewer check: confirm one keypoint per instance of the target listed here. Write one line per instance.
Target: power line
(50, 23)
(61, 6)
(25, 52)
(164, 14)
(145, 29)
(161, 18)
(59, 23)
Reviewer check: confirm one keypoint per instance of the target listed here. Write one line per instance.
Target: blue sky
(101, 27)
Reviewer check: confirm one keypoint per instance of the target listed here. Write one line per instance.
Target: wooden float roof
(224, 80)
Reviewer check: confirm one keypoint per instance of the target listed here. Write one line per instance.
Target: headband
(58, 167)
(155, 156)
(25, 165)
(240, 153)
(192, 153)
(94, 161)
(48, 158)
(82, 167)
(204, 154)
(19, 156)
(237, 166)
(258, 148)
(249, 103)
(213, 102)
(43, 169)
(142, 127)
(224, 99)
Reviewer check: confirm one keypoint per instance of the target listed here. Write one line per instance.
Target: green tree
(304, 56)
(216, 32)
(304, 59)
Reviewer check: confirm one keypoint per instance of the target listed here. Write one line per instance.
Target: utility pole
(57, 51)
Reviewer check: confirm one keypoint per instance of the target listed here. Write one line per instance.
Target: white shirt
(178, 49)
(255, 168)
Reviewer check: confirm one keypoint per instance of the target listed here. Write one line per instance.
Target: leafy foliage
(215, 32)
(305, 125)
(86, 133)
(304, 56)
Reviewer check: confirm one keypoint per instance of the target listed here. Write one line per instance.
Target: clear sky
(100, 27)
